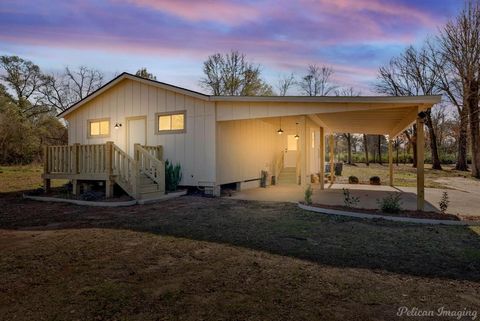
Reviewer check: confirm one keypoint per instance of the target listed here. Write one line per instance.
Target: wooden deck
(141, 176)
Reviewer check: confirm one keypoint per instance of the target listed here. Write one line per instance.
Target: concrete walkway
(461, 202)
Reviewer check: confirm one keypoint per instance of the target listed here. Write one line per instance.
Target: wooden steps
(288, 176)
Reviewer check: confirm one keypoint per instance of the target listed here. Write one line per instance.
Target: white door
(290, 159)
(136, 133)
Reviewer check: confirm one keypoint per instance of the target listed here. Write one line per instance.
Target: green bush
(173, 176)
(308, 195)
(374, 180)
(348, 200)
(353, 180)
(444, 201)
(390, 203)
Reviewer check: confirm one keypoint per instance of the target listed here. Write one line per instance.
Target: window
(170, 123)
(98, 128)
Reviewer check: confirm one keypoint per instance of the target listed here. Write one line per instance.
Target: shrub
(444, 201)
(353, 180)
(173, 176)
(390, 203)
(348, 200)
(308, 195)
(374, 180)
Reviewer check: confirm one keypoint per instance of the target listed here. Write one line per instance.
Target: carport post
(303, 152)
(390, 160)
(420, 164)
(332, 160)
(322, 158)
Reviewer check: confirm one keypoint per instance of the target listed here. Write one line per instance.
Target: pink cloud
(226, 12)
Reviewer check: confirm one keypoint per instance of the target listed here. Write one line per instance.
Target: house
(122, 133)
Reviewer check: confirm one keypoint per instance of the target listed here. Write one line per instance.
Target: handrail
(150, 165)
(125, 169)
(279, 162)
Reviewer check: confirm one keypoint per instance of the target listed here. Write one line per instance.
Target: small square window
(170, 123)
(98, 128)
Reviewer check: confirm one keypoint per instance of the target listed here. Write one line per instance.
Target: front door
(290, 159)
(136, 132)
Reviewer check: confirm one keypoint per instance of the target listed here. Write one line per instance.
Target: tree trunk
(380, 149)
(472, 103)
(349, 147)
(433, 141)
(365, 146)
(397, 147)
(462, 141)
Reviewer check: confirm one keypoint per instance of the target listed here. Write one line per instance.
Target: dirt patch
(98, 274)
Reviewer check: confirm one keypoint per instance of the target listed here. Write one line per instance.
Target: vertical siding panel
(128, 99)
(136, 99)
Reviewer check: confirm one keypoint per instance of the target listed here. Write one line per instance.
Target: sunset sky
(173, 38)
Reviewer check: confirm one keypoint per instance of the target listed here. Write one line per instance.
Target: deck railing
(105, 161)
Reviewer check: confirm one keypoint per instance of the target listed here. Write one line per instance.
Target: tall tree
(59, 91)
(350, 91)
(233, 75)
(317, 81)
(285, 82)
(413, 73)
(143, 72)
(460, 43)
(24, 78)
(365, 148)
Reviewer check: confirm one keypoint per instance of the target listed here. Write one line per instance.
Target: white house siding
(194, 149)
(245, 148)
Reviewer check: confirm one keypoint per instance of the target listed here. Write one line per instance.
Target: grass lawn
(196, 258)
(404, 175)
(20, 178)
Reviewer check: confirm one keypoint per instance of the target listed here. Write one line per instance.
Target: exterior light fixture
(280, 131)
(296, 136)
(118, 125)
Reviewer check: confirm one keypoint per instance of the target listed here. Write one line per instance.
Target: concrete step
(288, 170)
(152, 195)
(148, 188)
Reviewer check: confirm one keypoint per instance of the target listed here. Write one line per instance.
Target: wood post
(136, 172)
(420, 164)
(322, 158)
(390, 160)
(332, 158)
(75, 157)
(303, 151)
(75, 190)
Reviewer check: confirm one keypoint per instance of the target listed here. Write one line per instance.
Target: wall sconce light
(280, 131)
(118, 125)
(296, 136)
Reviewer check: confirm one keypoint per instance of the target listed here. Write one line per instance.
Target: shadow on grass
(279, 228)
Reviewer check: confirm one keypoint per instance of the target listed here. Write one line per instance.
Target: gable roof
(126, 75)
(413, 100)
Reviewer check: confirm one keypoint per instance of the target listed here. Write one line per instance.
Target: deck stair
(141, 176)
(287, 176)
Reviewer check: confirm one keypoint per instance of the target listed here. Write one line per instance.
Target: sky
(173, 38)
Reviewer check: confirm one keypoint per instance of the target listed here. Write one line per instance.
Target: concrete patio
(461, 201)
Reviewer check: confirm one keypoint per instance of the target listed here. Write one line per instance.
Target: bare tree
(365, 147)
(285, 82)
(61, 90)
(350, 91)
(413, 73)
(232, 74)
(317, 81)
(460, 44)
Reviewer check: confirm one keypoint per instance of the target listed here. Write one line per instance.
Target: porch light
(280, 131)
(118, 125)
(296, 135)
